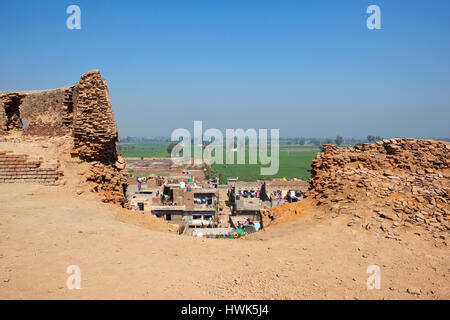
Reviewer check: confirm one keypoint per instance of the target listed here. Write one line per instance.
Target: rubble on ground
(387, 185)
(109, 181)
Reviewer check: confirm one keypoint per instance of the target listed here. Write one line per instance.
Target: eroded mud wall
(82, 111)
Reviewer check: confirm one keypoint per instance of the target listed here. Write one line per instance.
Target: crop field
(153, 149)
(293, 164)
(295, 160)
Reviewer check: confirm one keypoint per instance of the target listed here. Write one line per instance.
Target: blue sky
(309, 68)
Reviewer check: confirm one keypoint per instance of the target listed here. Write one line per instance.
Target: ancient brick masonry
(40, 113)
(10, 119)
(386, 185)
(82, 111)
(94, 130)
(17, 168)
(95, 136)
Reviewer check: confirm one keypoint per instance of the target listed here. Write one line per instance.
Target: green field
(293, 164)
(154, 149)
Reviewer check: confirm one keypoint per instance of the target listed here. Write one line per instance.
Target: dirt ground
(43, 230)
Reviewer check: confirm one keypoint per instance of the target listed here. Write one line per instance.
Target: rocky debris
(110, 182)
(414, 290)
(120, 163)
(176, 228)
(283, 213)
(267, 216)
(400, 182)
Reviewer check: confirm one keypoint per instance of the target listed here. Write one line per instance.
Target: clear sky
(308, 68)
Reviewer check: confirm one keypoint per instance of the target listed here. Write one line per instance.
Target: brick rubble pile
(109, 180)
(386, 185)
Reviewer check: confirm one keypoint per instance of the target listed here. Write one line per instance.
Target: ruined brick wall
(82, 111)
(16, 168)
(40, 112)
(402, 181)
(95, 136)
(94, 128)
(2, 116)
(10, 117)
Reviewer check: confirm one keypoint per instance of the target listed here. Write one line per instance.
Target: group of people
(246, 223)
(277, 195)
(206, 202)
(160, 180)
(201, 200)
(165, 201)
(248, 194)
(140, 181)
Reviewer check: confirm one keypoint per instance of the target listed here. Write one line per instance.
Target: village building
(186, 198)
(196, 206)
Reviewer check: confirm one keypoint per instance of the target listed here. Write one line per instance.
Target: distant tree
(315, 141)
(210, 172)
(374, 138)
(339, 140)
(301, 141)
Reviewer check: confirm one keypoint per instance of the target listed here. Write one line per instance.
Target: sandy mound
(121, 254)
(45, 229)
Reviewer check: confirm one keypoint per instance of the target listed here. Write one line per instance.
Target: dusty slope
(45, 229)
